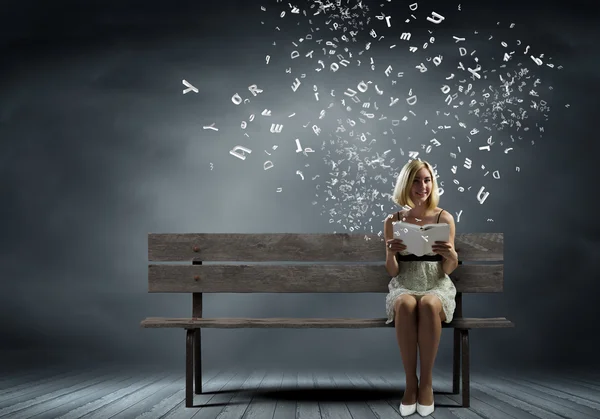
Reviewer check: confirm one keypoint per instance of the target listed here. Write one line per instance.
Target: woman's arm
(450, 263)
(391, 264)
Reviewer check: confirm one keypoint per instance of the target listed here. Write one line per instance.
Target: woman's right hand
(394, 245)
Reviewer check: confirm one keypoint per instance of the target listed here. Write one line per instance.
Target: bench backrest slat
(302, 278)
(339, 247)
(325, 274)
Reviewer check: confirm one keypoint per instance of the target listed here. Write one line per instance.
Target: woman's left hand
(445, 249)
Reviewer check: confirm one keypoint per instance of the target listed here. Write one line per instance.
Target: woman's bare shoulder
(396, 216)
(393, 217)
(444, 214)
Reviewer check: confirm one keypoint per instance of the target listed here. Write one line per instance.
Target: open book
(419, 239)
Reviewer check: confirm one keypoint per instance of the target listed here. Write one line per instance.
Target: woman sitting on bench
(421, 294)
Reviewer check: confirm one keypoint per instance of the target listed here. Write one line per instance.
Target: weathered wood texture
(129, 393)
(303, 278)
(359, 275)
(309, 323)
(338, 247)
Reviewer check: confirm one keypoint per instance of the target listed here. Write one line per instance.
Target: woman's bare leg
(405, 322)
(429, 331)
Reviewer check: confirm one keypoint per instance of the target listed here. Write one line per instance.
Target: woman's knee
(405, 303)
(429, 304)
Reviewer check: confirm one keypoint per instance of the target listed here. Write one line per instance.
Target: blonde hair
(401, 195)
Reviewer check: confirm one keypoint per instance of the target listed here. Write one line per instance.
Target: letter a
(238, 155)
(435, 18)
(481, 196)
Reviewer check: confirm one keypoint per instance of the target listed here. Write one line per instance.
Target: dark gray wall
(100, 147)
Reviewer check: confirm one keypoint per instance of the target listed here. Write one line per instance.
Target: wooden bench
(365, 275)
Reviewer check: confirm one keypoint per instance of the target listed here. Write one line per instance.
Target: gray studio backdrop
(100, 147)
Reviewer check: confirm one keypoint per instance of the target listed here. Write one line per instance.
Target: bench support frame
(189, 367)
(197, 312)
(193, 357)
(193, 366)
(461, 353)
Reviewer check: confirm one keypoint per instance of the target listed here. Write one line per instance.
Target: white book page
(440, 232)
(419, 241)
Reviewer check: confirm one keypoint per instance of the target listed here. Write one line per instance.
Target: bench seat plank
(309, 323)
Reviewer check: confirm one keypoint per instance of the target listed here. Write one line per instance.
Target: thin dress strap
(438, 220)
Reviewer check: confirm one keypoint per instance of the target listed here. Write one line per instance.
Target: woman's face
(421, 187)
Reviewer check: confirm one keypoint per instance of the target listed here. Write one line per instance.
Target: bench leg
(198, 361)
(466, 401)
(189, 368)
(456, 363)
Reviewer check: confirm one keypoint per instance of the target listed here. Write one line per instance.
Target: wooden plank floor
(118, 393)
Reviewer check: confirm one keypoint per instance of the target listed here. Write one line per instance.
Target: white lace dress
(420, 278)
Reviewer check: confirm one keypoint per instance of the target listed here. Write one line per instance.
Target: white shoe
(407, 409)
(425, 410)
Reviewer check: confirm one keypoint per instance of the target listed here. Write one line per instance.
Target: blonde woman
(421, 295)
